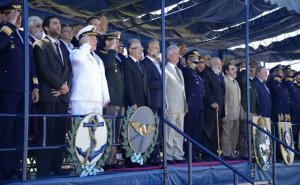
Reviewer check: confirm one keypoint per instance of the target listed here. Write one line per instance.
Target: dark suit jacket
(52, 73)
(11, 61)
(280, 99)
(214, 92)
(122, 57)
(263, 98)
(241, 78)
(194, 88)
(154, 82)
(136, 84)
(114, 76)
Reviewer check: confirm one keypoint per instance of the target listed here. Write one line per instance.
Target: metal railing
(277, 140)
(201, 147)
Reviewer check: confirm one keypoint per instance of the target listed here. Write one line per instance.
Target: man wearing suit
(55, 75)
(153, 69)
(263, 96)
(12, 88)
(115, 80)
(176, 105)
(214, 103)
(194, 89)
(135, 76)
(230, 126)
(241, 78)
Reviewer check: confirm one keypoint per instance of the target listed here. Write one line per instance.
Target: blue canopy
(205, 24)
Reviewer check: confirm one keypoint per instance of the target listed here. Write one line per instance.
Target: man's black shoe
(60, 172)
(171, 162)
(179, 161)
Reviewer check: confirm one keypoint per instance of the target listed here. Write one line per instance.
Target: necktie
(59, 52)
(178, 73)
(140, 68)
(157, 64)
(266, 87)
(20, 36)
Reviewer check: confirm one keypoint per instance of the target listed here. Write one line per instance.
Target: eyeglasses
(137, 48)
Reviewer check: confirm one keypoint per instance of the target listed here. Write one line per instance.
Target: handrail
(208, 152)
(273, 137)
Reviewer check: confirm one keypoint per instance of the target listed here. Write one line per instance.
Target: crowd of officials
(82, 69)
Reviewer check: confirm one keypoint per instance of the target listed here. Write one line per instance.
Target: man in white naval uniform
(89, 93)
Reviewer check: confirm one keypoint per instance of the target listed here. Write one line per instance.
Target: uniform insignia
(103, 51)
(6, 30)
(35, 80)
(89, 144)
(143, 129)
(262, 143)
(139, 134)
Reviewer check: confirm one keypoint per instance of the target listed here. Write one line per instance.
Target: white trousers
(86, 107)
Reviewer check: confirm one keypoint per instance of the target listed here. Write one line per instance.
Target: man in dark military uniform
(293, 86)
(115, 81)
(12, 88)
(241, 78)
(279, 94)
(194, 90)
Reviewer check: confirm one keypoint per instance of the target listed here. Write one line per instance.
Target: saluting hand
(13, 17)
(85, 39)
(113, 44)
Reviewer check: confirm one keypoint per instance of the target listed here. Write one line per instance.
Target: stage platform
(205, 173)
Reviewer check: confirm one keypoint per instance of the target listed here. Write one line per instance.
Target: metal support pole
(235, 178)
(190, 180)
(274, 157)
(248, 83)
(26, 91)
(44, 130)
(163, 57)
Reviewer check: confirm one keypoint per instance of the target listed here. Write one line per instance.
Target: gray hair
(213, 60)
(153, 41)
(170, 50)
(34, 19)
(132, 41)
(259, 68)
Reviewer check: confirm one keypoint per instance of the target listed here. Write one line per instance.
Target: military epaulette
(35, 80)
(6, 30)
(103, 51)
(277, 79)
(289, 79)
